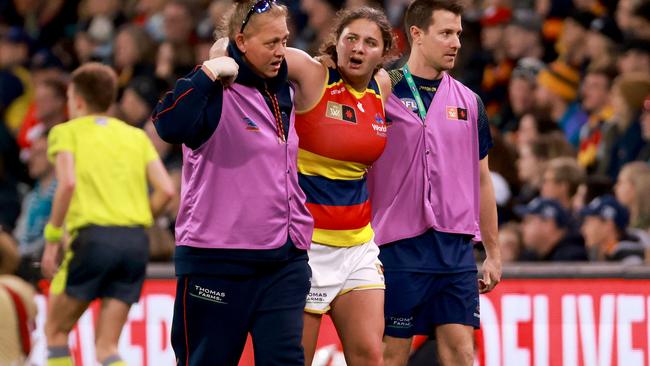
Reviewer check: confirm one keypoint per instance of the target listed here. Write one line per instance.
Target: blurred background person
(523, 37)
(521, 95)
(604, 229)
(622, 139)
(571, 45)
(532, 161)
(633, 191)
(533, 125)
(561, 179)
(175, 56)
(36, 209)
(602, 41)
(635, 57)
(320, 14)
(133, 55)
(546, 233)
(595, 91)
(511, 242)
(497, 66)
(557, 91)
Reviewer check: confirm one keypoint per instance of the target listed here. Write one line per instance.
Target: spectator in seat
(604, 229)
(546, 233)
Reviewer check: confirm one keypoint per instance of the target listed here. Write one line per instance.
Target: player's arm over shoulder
(308, 76)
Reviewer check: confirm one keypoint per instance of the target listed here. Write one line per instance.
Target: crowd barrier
(540, 315)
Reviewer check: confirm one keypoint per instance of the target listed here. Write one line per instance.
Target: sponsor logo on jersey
(456, 113)
(250, 125)
(379, 126)
(337, 91)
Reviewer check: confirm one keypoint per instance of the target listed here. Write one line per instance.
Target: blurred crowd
(566, 85)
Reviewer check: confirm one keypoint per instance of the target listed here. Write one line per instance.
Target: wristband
(53, 234)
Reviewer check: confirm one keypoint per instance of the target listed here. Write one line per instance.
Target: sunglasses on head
(259, 7)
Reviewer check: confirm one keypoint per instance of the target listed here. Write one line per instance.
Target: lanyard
(416, 94)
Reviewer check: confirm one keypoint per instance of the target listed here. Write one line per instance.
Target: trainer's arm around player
(242, 229)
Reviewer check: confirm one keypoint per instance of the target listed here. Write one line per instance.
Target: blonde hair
(232, 20)
(638, 172)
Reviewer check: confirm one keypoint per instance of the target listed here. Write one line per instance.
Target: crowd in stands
(566, 85)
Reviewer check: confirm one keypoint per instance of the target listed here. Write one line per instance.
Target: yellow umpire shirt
(110, 159)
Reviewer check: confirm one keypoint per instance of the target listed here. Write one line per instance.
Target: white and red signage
(536, 322)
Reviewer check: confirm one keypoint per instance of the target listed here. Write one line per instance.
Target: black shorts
(106, 261)
(415, 303)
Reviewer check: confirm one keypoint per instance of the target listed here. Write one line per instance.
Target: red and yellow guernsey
(340, 137)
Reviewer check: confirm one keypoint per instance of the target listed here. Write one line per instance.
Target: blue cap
(546, 208)
(17, 35)
(608, 208)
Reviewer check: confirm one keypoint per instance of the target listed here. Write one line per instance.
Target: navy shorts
(104, 261)
(214, 314)
(415, 302)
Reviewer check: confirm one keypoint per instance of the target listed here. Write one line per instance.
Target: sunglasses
(259, 7)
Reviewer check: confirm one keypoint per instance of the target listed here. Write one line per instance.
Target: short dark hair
(56, 84)
(420, 12)
(608, 71)
(96, 84)
(567, 170)
(345, 17)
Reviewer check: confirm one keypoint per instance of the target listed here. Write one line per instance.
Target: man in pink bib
(432, 196)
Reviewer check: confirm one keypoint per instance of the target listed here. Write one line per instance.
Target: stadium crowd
(566, 85)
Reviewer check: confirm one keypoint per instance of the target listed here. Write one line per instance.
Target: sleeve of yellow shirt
(150, 153)
(59, 139)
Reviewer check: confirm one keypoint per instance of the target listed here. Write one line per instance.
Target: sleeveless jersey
(339, 138)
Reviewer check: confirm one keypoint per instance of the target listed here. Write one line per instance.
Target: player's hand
(50, 259)
(221, 68)
(219, 48)
(326, 60)
(491, 275)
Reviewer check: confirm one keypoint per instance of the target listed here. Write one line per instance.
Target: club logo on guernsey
(341, 112)
(410, 104)
(250, 125)
(456, 113)
(205, 293)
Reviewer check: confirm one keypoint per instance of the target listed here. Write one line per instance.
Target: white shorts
(338, 270)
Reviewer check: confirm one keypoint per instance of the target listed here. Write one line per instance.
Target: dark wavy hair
(345, 17)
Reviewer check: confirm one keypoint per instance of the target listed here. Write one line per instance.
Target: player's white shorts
(338, 270)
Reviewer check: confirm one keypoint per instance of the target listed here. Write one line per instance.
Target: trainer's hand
(219, 48)
(50, 259)
(491, 274)
(221, 68)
